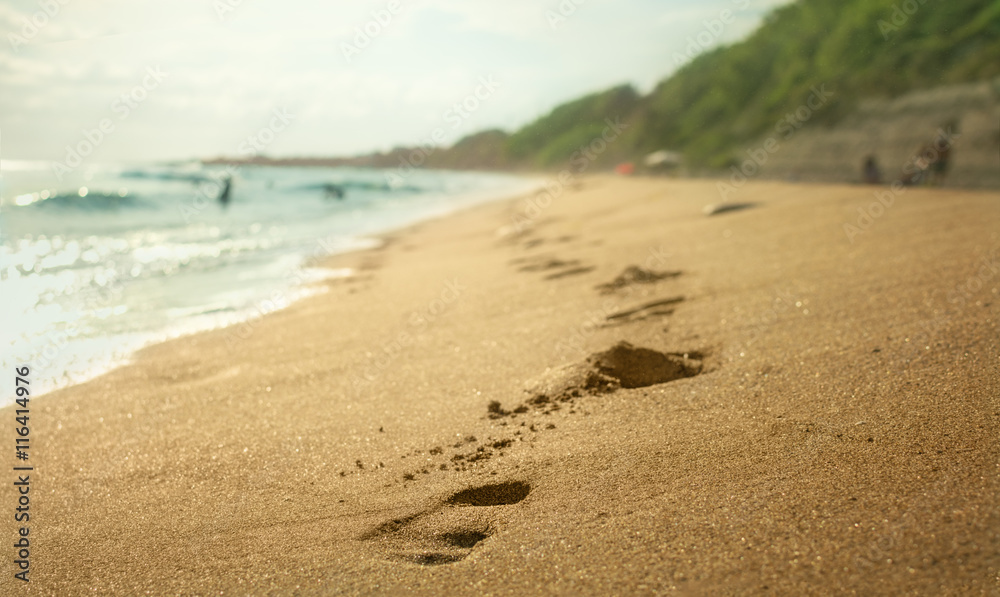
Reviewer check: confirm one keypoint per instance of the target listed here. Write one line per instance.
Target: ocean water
(113, 258)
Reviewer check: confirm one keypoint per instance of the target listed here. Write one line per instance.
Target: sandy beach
(619, 395)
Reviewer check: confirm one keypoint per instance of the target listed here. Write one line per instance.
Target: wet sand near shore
(625, 395)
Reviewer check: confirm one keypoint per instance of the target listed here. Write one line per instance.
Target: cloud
(226, 74)
(518, 18)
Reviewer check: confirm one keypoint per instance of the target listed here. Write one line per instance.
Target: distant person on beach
(915, 171)
(930, 164)
(227, 187)
(942, 156)
(870, 172)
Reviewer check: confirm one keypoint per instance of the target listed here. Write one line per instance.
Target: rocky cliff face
(894, 131)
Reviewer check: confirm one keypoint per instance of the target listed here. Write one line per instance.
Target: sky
(180, 79)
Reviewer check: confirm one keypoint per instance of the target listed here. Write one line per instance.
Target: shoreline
(301, 286)
(766, 411)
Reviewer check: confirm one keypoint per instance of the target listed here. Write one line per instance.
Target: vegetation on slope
(729, 97)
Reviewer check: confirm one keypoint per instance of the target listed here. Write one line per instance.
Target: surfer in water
(333, 191)
(227, 186)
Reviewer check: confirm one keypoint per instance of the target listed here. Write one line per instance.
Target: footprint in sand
(540, 265)
(633, 275)
(657, 308)
(448, 531)
(621, 366)
(567, 268)
(570, 272)
(721, 208)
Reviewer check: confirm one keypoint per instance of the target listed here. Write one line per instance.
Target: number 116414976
(21, 413)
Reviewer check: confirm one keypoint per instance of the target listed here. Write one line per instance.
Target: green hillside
(471, 152)
(725, 99)
(551, 140)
